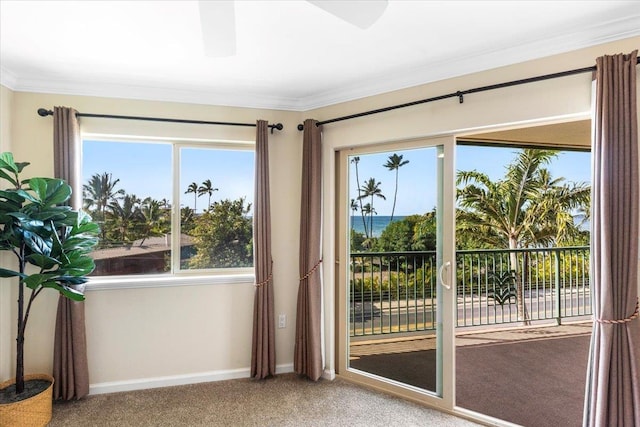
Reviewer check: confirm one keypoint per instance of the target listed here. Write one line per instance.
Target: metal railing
(392, 292)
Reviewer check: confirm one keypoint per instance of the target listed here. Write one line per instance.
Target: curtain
(308, 345)
(612, 395)
(70, 367)
(263, 352)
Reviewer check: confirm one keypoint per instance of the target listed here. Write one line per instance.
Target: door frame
(446, 313)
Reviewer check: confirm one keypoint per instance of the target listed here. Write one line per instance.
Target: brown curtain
(263, 351)
(308, 346)
(70, 367)
(613, 385)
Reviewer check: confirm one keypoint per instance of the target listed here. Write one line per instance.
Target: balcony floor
(532, 376)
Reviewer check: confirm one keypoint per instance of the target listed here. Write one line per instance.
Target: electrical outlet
(282, 321)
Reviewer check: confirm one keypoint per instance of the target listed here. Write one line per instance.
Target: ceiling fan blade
(218, 23)
(361, 13)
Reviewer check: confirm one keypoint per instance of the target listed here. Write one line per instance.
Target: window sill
(161, 281)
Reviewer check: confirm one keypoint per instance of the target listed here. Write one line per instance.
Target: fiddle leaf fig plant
(51, 242)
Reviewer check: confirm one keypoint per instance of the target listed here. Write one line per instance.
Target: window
(167, 207)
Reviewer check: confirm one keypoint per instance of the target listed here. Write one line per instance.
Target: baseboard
(284, 369)
(329, 374)
(173, 380)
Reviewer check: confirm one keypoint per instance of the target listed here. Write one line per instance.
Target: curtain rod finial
(278, 126)
(43, 112)
(300, 127)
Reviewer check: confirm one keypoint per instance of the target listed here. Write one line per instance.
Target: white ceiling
(290, 54)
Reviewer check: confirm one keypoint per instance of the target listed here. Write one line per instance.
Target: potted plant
(51, 243)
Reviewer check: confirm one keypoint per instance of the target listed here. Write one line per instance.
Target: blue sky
(416, 188)
(145, 170)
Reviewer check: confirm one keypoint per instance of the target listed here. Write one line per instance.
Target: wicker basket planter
(31, 412)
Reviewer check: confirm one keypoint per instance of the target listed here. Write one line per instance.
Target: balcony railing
(393, 292)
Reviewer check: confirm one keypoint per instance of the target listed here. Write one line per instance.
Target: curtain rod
(460, 94)
(44, 112)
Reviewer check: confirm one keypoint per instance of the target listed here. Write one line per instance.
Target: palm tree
(206, 188)
(154, 219)
(394, 163)
(354, 206)
(355, 161)
(123, 217)
(370, 188)
(193, 188)
(369, 210)
(164, 203)
(99, 191)
(527, 208)
(187, 217)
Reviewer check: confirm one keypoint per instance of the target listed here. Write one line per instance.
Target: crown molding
(484, 60)
(148, 93)
(494, 57)
(8, 79)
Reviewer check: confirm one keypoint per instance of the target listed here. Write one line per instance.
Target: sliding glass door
(396, 207)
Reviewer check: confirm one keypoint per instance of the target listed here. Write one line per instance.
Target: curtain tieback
(635, 315)
(315, 267)
(268, 279)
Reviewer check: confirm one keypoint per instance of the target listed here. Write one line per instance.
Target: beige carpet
(285, 400)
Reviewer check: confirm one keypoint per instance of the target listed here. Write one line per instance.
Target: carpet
(284, 401)
(534, 383)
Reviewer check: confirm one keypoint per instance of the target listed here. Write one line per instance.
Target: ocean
(380, 222)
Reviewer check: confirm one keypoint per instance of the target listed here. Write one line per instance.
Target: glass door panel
(392, 295)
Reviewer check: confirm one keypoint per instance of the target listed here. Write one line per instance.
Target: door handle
(442, 267)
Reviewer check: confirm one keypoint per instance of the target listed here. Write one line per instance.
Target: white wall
(137, 336)
(562, 99)
(7, 310)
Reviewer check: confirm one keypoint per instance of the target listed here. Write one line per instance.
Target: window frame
(177, 276)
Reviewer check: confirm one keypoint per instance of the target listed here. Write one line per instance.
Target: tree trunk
(364, 222)
(523, 315)
(20, 335)
(395, 195)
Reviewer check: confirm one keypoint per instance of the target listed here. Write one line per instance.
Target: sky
(417, 179)
(145, 170)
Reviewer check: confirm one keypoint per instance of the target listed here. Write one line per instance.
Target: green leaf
(12, 195)
(12, 235)
(87, 228)
(49, 191)
(57, 192)
(80, 266)
(43, 261)
(37, 244)
(22, 165)
(7, 162)
(4, 218)
(10, 273)
(71, 293)
(71, 280)
(26, 222)
(80, 243)
(53, 213)
(28, 196)
(63, 285)
(39, 188)
(33, 281)
(8, 177)
(57, 250)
